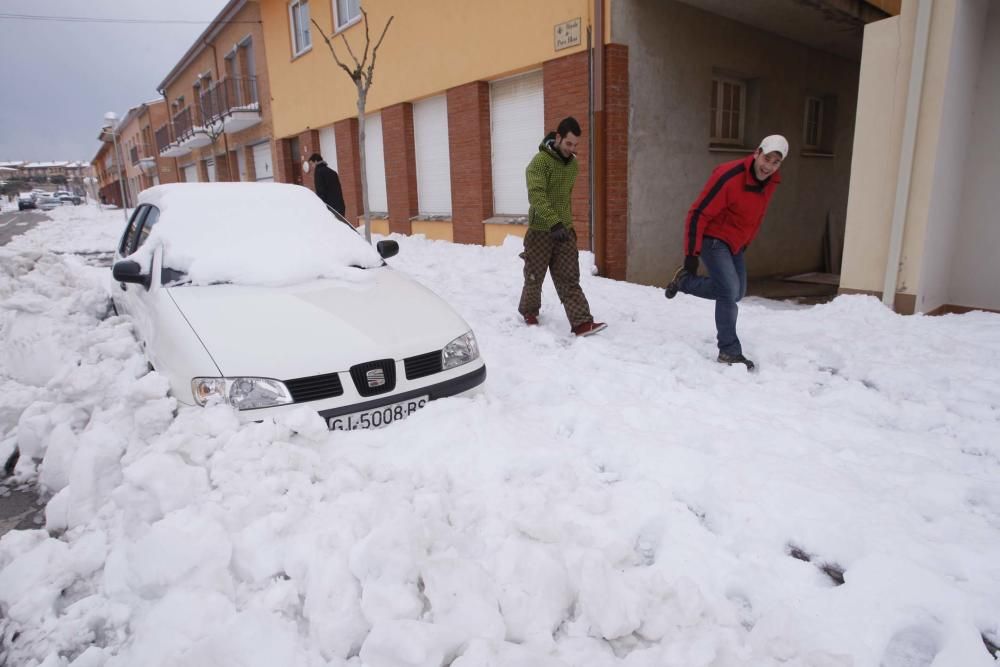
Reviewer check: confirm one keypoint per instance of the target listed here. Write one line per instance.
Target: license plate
(377, 417)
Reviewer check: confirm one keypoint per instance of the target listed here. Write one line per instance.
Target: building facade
(465, 92)
(218, 124)
(106, 169)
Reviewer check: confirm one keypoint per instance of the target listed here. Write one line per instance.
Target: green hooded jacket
(550, 183)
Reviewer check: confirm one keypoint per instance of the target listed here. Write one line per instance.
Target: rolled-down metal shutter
(328, 146)
(262, 165)
(517, 119)
(210, 169)
(378, 199)
(190, 173)
(430, 143)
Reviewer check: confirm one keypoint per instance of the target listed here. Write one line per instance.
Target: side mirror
(387, 249)
(128, 271)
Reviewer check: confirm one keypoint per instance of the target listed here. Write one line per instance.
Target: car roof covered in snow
(252, 233)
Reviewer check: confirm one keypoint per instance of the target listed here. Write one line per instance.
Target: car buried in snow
(256, 295)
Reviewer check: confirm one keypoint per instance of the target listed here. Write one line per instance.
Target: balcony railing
(183, 123)
(233, 101)
(163, 137)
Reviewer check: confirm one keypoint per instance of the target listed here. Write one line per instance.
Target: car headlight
(243, 393)
(460, 351)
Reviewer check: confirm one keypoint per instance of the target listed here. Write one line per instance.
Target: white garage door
(378, 199)
(190, 173)
(210, 168)
(430, 143)
(517, 119)
(328, 146)
(262, 162)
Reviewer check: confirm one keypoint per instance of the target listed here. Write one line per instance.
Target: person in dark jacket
(721, 223)
(550, 242)
(327, 184)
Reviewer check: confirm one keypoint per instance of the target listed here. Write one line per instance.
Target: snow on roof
(41, 165)
(252, 233)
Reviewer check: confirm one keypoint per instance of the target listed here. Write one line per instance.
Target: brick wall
(348, 165)
(471, 166)
(616, 106)
(400, 166)
(566, 91)
(282, 160)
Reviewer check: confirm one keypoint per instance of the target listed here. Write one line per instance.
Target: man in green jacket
(550, 242)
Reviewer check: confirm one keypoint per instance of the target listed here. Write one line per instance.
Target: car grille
(374, 377)
(423, 365)
(315, 387)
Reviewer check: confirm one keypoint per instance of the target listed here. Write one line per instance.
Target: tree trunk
(362, 94)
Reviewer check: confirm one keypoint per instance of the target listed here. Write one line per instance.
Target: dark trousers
(725, 284)
(542, 254)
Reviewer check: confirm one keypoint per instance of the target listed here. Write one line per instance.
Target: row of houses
(886, 104)
(44, 171)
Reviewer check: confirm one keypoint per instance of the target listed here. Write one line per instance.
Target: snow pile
(617, 500)
(252, 234)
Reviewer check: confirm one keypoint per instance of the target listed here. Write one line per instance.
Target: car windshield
(251, 234)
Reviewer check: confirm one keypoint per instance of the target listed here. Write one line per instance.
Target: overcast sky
(60, 78)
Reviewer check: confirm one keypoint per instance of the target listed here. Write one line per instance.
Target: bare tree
(361, 75)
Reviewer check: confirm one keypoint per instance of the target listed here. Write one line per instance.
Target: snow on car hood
(317, 327)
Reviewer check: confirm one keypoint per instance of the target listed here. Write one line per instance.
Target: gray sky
(60, 78)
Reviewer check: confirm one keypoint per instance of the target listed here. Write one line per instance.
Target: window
(128, 238)
(728, 111)
(813, 133)
(346, 12)
(147, 226)
(298, 17)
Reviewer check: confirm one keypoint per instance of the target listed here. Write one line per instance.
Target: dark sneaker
(731, 359)
(675, 283)
(588, 328)
(531, 320)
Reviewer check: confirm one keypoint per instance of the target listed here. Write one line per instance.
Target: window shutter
(430, 143)
(328, 146)
(378, 199)
(517, 117)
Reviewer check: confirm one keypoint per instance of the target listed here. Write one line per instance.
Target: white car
(256, 295)
(47, 202)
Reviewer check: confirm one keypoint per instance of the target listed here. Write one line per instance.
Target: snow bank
(617, 500)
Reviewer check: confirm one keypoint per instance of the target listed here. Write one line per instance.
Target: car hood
(318, 327)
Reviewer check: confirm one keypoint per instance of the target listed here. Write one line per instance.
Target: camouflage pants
(541, 253)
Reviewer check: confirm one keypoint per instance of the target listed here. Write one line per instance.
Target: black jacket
(328, 187)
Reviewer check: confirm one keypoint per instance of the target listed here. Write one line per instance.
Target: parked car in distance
(69, 198)
(47, 202)
(25, 201)
(256, 295)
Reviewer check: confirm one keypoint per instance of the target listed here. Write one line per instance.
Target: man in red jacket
(723, 220)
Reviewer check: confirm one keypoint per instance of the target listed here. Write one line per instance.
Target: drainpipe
(597, 131)
(905, 174)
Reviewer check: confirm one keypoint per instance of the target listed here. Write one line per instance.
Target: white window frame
(337, 24)
(718, 83)
(294, 11)
(814, 143)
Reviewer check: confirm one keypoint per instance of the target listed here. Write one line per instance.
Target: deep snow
(616, 500)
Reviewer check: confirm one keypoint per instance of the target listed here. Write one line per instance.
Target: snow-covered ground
(615, 500)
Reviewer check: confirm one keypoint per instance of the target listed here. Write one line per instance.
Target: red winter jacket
(730, 207)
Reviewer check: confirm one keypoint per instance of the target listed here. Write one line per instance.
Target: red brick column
(251, 167)
(565, 89)
(400, 166)
(282, 159)
(616, 105)
(471, 165)
(349, 166)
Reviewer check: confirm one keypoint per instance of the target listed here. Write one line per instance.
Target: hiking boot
(675, 283)
(731, 359)
(531, 320)
(588, 328)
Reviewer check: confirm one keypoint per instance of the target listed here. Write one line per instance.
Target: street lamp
(110, 117)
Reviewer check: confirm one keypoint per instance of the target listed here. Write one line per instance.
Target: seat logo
(375, 377)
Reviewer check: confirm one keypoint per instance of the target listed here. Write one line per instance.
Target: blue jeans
(726, 284)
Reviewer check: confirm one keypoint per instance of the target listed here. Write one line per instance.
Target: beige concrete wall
(940, 169)
(975, 276)
(673, 51)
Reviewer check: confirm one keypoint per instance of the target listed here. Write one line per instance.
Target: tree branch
(371, 67)
(329, 44)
